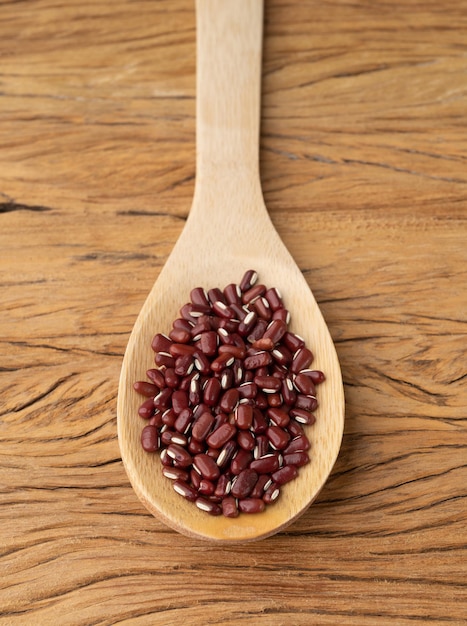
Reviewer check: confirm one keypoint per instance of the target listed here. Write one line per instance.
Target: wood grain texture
(363, 165)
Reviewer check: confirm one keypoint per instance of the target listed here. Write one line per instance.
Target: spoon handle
(228, 96)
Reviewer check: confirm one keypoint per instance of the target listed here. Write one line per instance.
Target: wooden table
(363, 158)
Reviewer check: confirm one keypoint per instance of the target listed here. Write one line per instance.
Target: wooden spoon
(227, 232)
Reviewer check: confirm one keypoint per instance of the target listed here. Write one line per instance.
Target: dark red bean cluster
(228, 400)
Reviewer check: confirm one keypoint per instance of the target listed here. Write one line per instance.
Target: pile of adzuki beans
(228, 400)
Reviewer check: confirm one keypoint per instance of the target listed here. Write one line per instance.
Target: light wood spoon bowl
(228, 231)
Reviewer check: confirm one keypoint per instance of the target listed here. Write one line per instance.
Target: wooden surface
(363, 164)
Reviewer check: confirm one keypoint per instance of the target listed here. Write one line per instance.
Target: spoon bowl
(228, 231)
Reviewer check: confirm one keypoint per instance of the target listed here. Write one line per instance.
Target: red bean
(305, 385)
(274, 400)
(227, 378)
(244, 416)
(296, 458)
(268, 383)
(248, 280)
(194, 394)
(182, 457)
(201, 362)
(251, 505)
(216, 295)
(176, 473)
(210, 507)
(302, 416)
(156, 377)
(223, 310)
(278, 437)
(301, 360)
(171, 436)
(261, 306)
(228, 399)
(221, 435)
(271, 494)
(233, 294)
(235, 351)
(223, 360)
(274, 298)
(172, 380)
(183, 365)
(237, 371)
(316, 376)
(183, 422)
(248, 376)
(162, 400)
(179, 401)
(293, 342)
(169, 417)
(264, 343)
(211, 391)
(282, 314)
(261, 359)
(156, 420)
(308, 403)
(206, 487)
(244, 483)
(202, 426)
(259, 424)
(208, 343)
(279, 371)
(206, 466)
(239, 311)
(161, 343)
(199, 296)
(186, 312)
(262, 446)
(278, 417)
(203, 325)
(275, 331)
(182, 324)
(146, 389)
(185, 490)
(241, 461)
(221, 418)
(247, 324)
(298, 444)
(266, 464)
(257, 331)
(282, 355)
(163, 359)
(288, 392)
(150, 438)
(261, 400)
(226, 454)
(254, 292)
(229, 507)
(147, 409)
(185, 382)
(222, 487)
(262, 484)
(294, 429)
(284, 474)
(247, 390)
(195, 446)
(179, 336)
(246, 440)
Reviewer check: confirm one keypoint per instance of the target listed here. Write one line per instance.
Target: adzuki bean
(228, 400)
